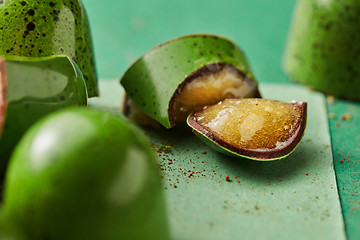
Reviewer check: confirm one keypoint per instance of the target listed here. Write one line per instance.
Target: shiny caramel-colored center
(251, 123)
(210, 89)
(136, 115)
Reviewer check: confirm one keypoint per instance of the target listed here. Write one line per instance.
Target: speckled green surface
(162, 69)
(322, 50)
(50, 27)
(293, 198)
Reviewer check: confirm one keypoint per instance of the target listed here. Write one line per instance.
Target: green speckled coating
(49, 27)
(96, 179)
(153, 79)
(36, 87)
(323, 48)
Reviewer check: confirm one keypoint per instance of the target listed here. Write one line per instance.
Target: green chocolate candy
(155, 79)
(85, 174)
(10, 232)
(46, 28)
(31, 89)
(323, 48)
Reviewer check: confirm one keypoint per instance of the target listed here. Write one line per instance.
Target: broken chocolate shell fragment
(256, 129)
(178, 76)
(31, 88)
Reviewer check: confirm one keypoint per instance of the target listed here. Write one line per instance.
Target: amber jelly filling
(256, 124)
(208, 89)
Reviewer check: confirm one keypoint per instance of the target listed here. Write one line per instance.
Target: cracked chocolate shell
(256, 129)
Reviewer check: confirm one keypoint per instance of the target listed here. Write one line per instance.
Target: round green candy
(85, 174)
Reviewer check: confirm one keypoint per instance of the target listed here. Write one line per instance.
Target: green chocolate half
(155, 80)
(32, 88)
(51, 27)
(323, 47)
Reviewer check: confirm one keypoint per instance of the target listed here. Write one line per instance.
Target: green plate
(294, 198)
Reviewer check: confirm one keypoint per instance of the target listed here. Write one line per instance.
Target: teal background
(124, 30)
